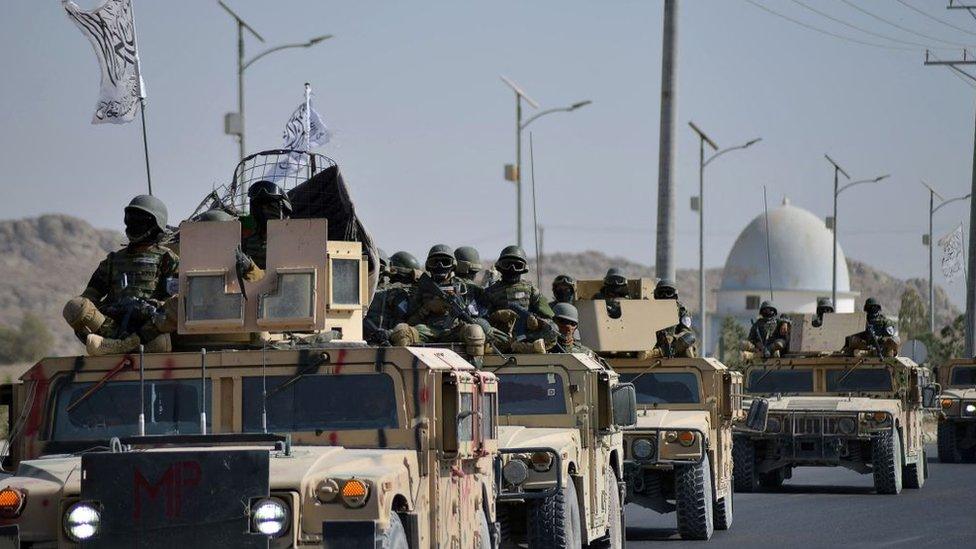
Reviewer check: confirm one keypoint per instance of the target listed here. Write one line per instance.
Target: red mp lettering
(177, 477)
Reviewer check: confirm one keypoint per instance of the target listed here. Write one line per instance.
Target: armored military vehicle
(273, 425)
(864, 413)
(957, 422)
(560, 468)
(678, 455)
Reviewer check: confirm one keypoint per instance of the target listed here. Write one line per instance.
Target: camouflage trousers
(85, 319)
(750, 349)
(472, 336)
(860, 344)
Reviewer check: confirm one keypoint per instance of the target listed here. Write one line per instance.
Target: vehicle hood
(670, 419)
(513, 436)
(833, 404)
(963, 393)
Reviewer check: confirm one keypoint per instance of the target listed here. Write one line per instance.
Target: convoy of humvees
(864, 413)
(678, 456)
(957, 421)
(274, 426)
(561, 449)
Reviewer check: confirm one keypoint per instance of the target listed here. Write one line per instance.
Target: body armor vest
(135, 273)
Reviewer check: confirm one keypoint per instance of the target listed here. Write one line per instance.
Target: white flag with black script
(952, 254)
(303, 131)
(112, 32)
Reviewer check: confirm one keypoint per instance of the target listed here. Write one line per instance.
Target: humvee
(957, 422)
(864, 413)
(559, 469)
(271, 425)
(678, 456)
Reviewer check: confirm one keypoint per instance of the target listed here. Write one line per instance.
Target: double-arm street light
(837, 190)
(700, 206)
(234, 122)
(928, 241)
(515, 173)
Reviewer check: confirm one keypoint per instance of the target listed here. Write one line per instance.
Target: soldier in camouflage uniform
(516, 307)
(563, 291)
(430, 319)
(267, 201)
(392, 299)
(614, 289)
(878, 333)
(469, 264)
(129, 299)
(566, 318)
(677, 340)
(769, 335)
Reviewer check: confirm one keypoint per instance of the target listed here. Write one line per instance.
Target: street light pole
(932, 209)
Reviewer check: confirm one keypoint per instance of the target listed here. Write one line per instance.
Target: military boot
(160, 344)
(97, 345)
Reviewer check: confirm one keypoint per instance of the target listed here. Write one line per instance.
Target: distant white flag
(304, 131)
(952, 254)
(111, 30)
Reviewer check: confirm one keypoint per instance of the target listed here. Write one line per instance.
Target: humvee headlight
(946, 403)
(515, 472)
(11, 502)
(880, 417)
(671, 436)
(971, 408)
(846, 426)
(327, 491)
(82, 521)
(642, 449)
(686, 438)
(354, 493)
(773, 425)
(541, 461)
(269, 517)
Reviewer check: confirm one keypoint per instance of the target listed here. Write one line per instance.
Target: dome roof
(800, 249)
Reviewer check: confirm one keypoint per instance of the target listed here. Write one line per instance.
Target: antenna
(264, 388)
(535, 217)
(142, 392)
(203, 391)
(769, 261)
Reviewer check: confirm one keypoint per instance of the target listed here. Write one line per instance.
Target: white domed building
(800, 249)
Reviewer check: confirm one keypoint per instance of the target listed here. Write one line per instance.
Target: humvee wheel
(744, 478)
(772, 480)
(886, 459)
(554, 522)
(723, 512)
(693, 499)
(948, 443)
(914, 473)
(615, 531)
(395, 537)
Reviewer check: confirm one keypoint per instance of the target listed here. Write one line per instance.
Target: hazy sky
(423, 125)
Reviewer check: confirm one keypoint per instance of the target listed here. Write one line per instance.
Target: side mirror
(758, 414)
(929, 395)
(624, 398)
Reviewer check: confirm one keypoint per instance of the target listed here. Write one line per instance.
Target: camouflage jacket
(882, 327)
(431, 310)
(143, 271)
(390, 305)
(765, 330)
(504, 295)
(560, 346)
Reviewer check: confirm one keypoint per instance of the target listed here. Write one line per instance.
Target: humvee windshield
(874, 379)
(781, 381)
(530, 394)
(172, 407)
(321, 402)
(664, 387)
(963, 375)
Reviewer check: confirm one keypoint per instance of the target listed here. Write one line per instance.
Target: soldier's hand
(532, 323)
(244, 263)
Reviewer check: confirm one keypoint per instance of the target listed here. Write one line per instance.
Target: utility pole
(928, 241)
(664, 259)
(971, 260)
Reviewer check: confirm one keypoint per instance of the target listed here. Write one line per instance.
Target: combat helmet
(215, 215)
(440, 262)
(264, 190)
(665, 289)
(614, 278)
(871, 306)
(512, 260)
(768, 304)
(151, 205)
(561, 281)
(404, 266)
(145, 216)
(468, 262)
(566, 312)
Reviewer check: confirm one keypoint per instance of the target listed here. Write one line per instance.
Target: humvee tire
(914, 473)
(693, 499)
(948, 443)
(395, 537)
(616, 532)
(772, 480)
(553, 522)
(886, 458)
(744, 477)
(723, 512)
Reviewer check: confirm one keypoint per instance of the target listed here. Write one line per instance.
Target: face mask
(767, 313)
(563, 293)
(139, 226)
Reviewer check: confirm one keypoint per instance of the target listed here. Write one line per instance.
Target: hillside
(46, 260)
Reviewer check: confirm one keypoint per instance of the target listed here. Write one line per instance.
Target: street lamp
(837, 191)
(928, 241)
(702, 162)
(515, 174)
(234, 122)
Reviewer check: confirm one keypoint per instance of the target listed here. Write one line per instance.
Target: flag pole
(145, 142)
(307, 123)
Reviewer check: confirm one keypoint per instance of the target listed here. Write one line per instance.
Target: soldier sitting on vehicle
(267, 201)
(469, 264)
(879, 336)
(563, 290)
(566, 318)
(824, 306)
(614, 288)
(516, 307)
(129, 299)
(392, 298)
(677, 340)
(443, 308)
(769, 335)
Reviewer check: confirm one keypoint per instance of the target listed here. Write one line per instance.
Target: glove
(531, 323)
(246, 268)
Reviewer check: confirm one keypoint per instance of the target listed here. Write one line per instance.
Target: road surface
(835, 507)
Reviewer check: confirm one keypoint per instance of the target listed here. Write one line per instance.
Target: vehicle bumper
(339, 534)
(538, 484)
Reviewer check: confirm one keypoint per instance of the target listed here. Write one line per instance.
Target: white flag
(952, 253)
(303, 131)
(112, 32)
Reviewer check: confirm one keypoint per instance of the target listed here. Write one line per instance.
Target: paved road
(834, 507)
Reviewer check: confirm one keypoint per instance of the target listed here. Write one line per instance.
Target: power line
(855, 27)
(822, 31)
(901, 27)
(934, 18)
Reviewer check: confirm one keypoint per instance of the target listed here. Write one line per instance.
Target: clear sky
(423, 125)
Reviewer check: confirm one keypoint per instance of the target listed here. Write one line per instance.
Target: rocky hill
(46, 260)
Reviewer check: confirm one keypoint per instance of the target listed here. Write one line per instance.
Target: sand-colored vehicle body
(957, 420)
